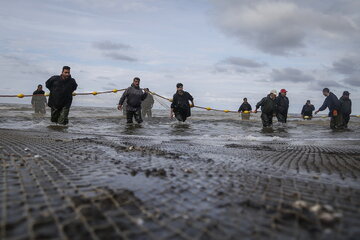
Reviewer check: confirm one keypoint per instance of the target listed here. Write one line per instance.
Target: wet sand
(66, 186)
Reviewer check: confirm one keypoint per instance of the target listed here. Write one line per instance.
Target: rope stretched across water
(20, 95)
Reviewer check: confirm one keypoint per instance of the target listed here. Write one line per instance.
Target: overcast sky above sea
(221, 50)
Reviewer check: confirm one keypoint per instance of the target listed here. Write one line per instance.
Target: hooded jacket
(282, 104)
(60, 91)
(345, 104)
(331, 102)
(133, 96)
(268, 105)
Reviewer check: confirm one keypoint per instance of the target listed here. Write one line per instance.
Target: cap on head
(245, 99)
(346, 93)
(283, 91)
(326, 90)
(273, 92)
(308, 101)
(179, 85)
(136, 79)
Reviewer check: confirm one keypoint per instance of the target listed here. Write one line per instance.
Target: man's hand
(255, 111)
(316, 112)
(119, 107)
(146, 90)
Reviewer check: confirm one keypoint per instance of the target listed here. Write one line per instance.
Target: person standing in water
(38, 100)
(245, 109)
(61, 88)
(282, 106)
(147, 105)
(333, 103)
(345, 105)
(180, 106)
(268, 108)
(133, 96)
(307, 110)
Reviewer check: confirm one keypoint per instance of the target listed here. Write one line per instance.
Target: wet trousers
(40, 109)
(336, 122)
(267, 119)
(146, 112)
(134, 114)
(181, 114)
(346, 119)
(60, 115)
(281, 117)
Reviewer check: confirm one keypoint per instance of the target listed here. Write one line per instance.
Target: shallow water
(204, 126)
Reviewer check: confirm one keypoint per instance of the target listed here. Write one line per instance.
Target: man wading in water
(60, 99)
(333, 103)
(38, 100)
(133, 95)
(268, 109)
(180, 105)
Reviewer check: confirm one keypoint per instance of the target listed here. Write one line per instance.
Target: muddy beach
(61, 185)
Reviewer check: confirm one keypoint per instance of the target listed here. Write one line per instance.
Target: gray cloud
(120, 57)
(329, 84)
(290, 75)
(353, 81)
(279, 27)
(242, 62)
(107, 45)
(347, 65)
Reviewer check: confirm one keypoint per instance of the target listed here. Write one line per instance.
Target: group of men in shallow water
(278, 105)
(134, 99)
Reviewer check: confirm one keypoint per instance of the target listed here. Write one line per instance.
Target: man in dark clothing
(345, 106)
(245, 106)
(60, 99)
(38, 100)
(245, 109)
(147, 105)
(180, 105)
(307, 110)
(282, 106)
(268, 108)
(133, 95)
(333, 103)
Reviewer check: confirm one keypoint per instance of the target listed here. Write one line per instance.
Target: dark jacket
(148, 102)
(61, 91)
(282, 104)
(331, 102)
(181, 101)
(268, 105)
(245, 107)
(345, 104)
(307, 110)
(134, 96)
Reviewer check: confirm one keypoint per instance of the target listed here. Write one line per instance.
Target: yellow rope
(20, 95)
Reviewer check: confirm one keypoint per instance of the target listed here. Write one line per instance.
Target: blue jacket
(331, 102)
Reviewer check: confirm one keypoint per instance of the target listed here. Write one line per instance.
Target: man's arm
(49, 83)
(259, 104)
(240, 108)
(191, 100)
(323, 107)
(122, 99)
(74, 87)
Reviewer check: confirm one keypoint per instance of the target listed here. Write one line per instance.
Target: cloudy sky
(221, 50)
